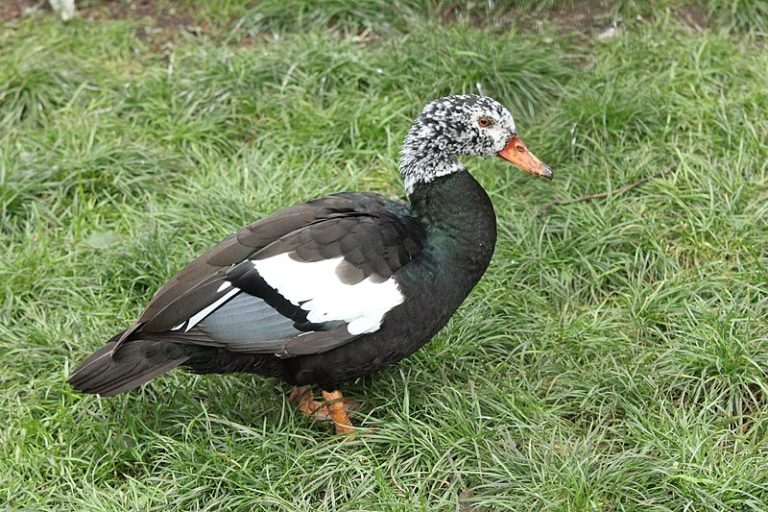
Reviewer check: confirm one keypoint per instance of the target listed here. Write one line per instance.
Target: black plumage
(375, 236)
(392, 274)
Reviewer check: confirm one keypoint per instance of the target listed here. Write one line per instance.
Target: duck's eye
(484, 122)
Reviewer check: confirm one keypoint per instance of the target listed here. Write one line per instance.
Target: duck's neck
(419, 171)
(459, 217)
(425, 155)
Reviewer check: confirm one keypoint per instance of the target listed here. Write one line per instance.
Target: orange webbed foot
(334, 407)
(338, 412)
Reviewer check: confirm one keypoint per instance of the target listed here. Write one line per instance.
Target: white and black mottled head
(459, 125)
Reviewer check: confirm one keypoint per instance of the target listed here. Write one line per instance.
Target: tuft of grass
(612, 358)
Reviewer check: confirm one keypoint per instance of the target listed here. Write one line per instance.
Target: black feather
(108, 373)
(374, 236)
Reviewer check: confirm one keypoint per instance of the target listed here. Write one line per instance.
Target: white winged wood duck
(330, 290)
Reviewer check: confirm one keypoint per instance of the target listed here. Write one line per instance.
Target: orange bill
(518, 154)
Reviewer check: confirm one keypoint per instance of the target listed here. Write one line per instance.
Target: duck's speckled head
(462, 125)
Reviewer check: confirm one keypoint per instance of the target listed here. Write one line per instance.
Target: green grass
(614, 356)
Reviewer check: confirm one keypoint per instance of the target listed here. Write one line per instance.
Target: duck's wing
(302, 281)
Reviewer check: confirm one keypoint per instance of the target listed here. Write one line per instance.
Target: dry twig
(602, 195)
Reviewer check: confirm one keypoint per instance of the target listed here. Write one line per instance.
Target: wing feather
(372, 237)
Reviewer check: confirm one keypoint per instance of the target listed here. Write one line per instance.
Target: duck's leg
(304, 399)
(335, 402)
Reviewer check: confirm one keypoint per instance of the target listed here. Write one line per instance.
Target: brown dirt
(695, 16)
(566, 16)
(586, 16)
(589, 17)
(166, 16)
(12, 9)
(159, 24)
(162, 23)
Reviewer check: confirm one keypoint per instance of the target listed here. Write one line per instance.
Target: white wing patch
(315, 287)
(197, 317)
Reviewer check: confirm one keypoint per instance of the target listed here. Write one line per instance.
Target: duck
(330, 290)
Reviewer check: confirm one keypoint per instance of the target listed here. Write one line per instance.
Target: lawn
(614, 357)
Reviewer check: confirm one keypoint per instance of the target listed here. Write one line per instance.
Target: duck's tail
(108, 372)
